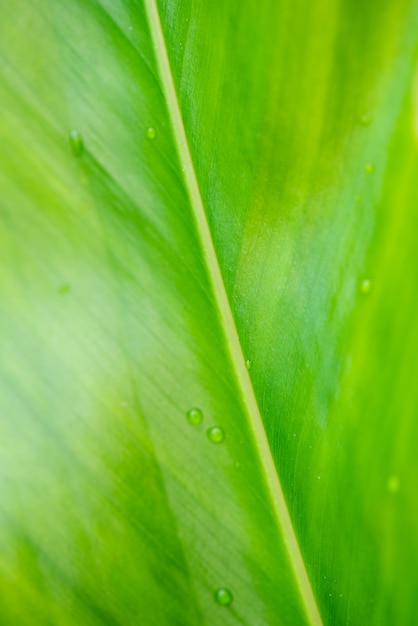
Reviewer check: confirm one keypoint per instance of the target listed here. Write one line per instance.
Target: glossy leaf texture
(208, 245)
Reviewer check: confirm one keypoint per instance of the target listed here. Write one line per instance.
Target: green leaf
(208, 246)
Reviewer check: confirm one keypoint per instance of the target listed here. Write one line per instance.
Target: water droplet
(151, 133)
(248, 364)
(76, 143)
(366, 286)
(369, 168)
(365, 119)
(223, 596)
(215, 434)
(63, 289)
(194, 416)
(393, 484)
(319, 478)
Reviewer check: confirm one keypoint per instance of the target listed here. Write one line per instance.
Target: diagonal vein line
(228, 323)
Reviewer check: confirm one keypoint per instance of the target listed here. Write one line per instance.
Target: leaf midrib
(227, 321)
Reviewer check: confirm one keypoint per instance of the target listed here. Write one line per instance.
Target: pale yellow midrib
(231, 334)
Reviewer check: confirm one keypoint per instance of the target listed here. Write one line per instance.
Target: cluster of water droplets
(215, 434)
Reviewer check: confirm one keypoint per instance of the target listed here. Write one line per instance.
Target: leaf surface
(244, 192)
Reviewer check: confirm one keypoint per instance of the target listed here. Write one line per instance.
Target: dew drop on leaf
(248, 364)
(223, 596)
(76, 143)
(215, 434)
(194, 416)
(369, 168)
(151, 133)
(393, 484)
(365, 119)
(366, 286)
